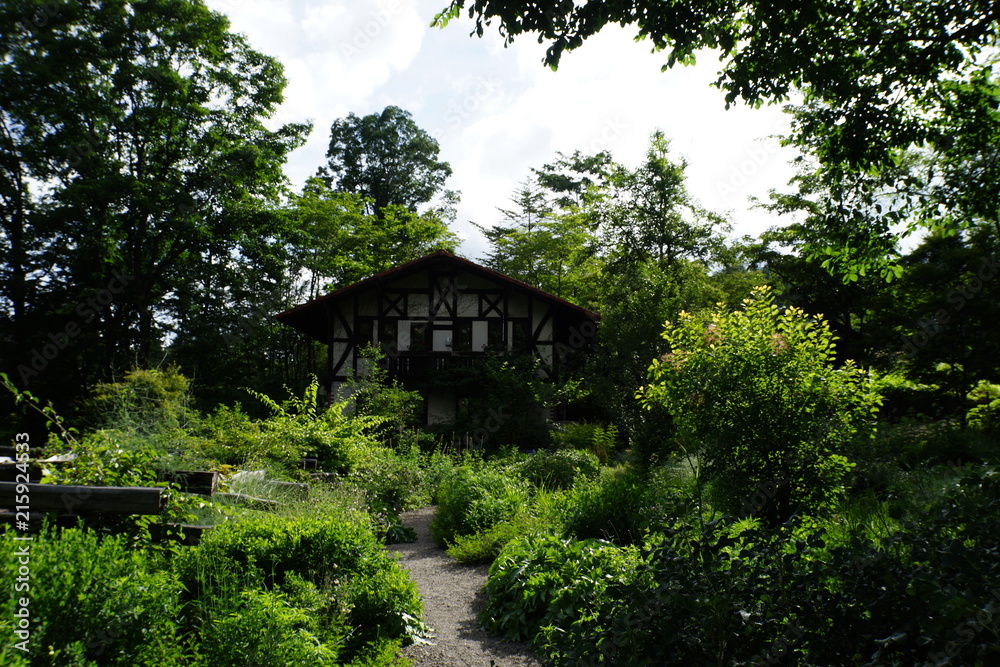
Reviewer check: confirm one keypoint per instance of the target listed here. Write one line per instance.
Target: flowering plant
(757, 397)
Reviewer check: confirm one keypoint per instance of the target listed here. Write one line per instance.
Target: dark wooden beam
(75, 498)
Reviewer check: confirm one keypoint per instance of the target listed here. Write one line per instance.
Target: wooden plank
(9, 472)
(75, 498)
(196, 481)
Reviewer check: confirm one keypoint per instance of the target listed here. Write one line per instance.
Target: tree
(539, 244)
(877, 79)
(651, 216)
(386, 158)
(756, 398)
(134, 156)
(334, 239)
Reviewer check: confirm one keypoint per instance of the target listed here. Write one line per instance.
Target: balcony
(419, 366)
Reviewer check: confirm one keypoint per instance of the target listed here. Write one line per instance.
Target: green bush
(265, 629)
(296, 429)
(609, 507)
(559, 469)
(755, 394)
(144, 401)
(391, 479)
(340, 553)
(485, 545)
(93, 599)
(598, 440)
(472, 499)
(730, 592)
(542, 583)
(438, 467)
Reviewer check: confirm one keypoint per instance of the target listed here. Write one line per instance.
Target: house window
(494, 334)
(462, 338)
(388, 331)
(365, 331)
(520, 336)
(418, 337)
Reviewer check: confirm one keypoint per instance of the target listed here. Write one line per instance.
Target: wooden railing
(416, 366)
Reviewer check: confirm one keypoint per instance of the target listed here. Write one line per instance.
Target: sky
(497, 112)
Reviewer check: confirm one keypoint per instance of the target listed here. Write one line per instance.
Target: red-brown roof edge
(403, 268)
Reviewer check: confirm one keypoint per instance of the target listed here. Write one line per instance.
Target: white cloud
(499, 111)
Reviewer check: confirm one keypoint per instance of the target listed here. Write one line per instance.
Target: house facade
(441, 312)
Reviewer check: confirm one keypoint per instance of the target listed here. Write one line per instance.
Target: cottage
(438, 312)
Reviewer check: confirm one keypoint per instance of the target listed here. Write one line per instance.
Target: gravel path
(452, 598)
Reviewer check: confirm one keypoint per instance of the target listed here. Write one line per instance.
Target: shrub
(265, 629)
(92, 598)
(391, 480)
(375, 394)
(730, 592)
(486, 545)
(608, 507)
(341, 553)
(542, 583)
(296, 428)
(473, 499)
(599, 440)
(902, 397)
(755, 394)
(559, 469)
(144, 401)
(438, 467)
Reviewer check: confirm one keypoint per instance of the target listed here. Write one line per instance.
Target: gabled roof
(310, 317)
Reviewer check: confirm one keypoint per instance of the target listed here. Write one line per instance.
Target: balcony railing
(418, 366)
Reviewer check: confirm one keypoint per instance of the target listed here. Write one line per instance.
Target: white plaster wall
(468, 305)
(442, 340)
(480, 335)
(403, 335)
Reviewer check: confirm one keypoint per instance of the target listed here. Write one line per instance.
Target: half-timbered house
(438, 312)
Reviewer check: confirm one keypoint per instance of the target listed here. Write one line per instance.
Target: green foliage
(337, 237)
(595, 438)
(854, 590)
(854, 129)
(608, 507)
(297, 428)
(472, 499)
(505, 400)
(337, 553)
(376, 395)
(755, 394)
(985, 415)
(166, 81)
(544, 245)
(903, 397)
(265, 628)
(559, 469)
(93, 598)
(543, 583)
(385, 157)
(391, 479)
(485, 545)
(143, 402)
(110, 458)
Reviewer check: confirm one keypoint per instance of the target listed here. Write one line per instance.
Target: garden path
(452, 597)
